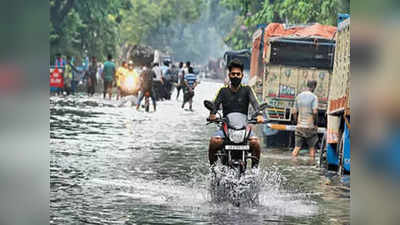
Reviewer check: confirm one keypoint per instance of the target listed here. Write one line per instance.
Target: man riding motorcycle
(130, 81)
(235, 98)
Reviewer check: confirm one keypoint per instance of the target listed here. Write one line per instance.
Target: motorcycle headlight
(130, 82)
(237, 136)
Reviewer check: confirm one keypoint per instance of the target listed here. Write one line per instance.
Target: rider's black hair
(109, 57)
(190, 70)
(188, 63)
(235, 63)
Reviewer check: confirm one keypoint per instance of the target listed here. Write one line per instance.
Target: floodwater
(110, 164)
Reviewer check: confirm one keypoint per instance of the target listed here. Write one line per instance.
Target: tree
(77, 27)
(253, 13)
(160, 24)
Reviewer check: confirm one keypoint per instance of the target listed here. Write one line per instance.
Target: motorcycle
(236, 149)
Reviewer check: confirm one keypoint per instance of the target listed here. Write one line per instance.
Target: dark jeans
(159, 90)
(167, 89)
(74, 84)
(187, 95)
(141, 96)
(178, 89)
(91, 87)
(107, 87)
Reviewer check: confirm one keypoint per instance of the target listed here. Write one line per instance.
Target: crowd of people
(128, 79)
(158, 82)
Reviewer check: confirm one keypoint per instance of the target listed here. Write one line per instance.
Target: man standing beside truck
(305, 114)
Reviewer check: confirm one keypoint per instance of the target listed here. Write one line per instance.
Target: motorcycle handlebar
(219, 120)
(255, 122)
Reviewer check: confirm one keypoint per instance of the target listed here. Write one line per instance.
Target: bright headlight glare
(236, 136)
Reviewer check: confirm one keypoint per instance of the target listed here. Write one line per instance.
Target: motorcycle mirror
(263, 106)
(209, 105)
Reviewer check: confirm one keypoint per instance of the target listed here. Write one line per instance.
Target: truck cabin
(302, 52)
(244, 56)
(305, 55)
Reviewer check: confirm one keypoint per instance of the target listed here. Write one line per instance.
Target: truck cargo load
(284, 58)
(292, 55)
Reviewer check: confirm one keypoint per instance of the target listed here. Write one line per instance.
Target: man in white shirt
(181, 77)
(158, 82)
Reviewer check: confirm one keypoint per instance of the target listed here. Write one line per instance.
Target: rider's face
(236, 72)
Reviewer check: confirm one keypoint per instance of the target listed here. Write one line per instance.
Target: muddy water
(110, 164)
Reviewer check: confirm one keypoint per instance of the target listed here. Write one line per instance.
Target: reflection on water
(113, 165)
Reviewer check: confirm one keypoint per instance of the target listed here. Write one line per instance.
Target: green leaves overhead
(91, 25)
(103, 26)
(187, 29)
(280, 11)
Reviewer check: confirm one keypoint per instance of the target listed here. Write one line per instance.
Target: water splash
(229, 185)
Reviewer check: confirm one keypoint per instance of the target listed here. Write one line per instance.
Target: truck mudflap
(346, 149)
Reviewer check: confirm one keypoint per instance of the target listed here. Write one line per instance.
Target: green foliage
(187, 29)
(99, 27)
(88, 26)
(280, 11)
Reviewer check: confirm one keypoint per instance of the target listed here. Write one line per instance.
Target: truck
(335, 153)
(284, 57)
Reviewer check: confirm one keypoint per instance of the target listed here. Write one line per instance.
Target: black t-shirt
(147, 79)
(235, 101)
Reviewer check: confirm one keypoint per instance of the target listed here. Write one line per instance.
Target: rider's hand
(260, 119)
(212, 117)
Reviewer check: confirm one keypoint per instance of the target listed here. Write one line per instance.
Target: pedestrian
(59, 61)
(108, 76)
(158, 82)
(119, 76)
(75, 77)
(68, 76)
(146, 85)
(91, 77)
(131, 81)
(305, 115)
(186, 67)
(190, 83)
(181, 77)
(166, 73)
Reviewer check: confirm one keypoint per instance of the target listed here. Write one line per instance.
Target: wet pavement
(110, 164)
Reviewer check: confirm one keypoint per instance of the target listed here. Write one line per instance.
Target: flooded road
(110, 164)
